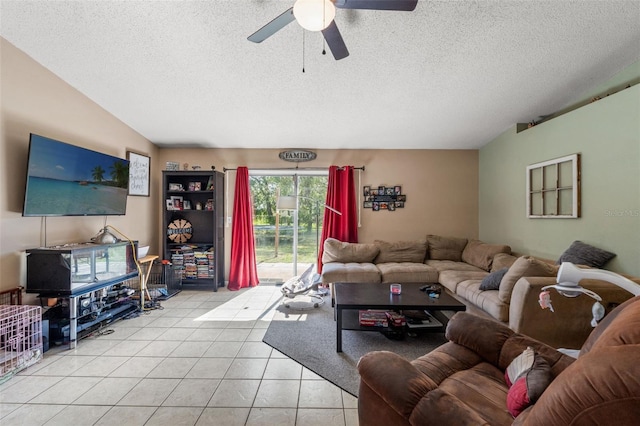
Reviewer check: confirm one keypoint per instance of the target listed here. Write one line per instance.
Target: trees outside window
(264, 193)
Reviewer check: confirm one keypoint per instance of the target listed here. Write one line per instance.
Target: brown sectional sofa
(461, 265)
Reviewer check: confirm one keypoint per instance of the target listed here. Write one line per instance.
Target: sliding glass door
(287, 239)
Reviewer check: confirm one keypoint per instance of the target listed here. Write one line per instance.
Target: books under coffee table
(375, 318)
(351, 298)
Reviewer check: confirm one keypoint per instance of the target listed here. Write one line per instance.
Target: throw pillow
(401, 251)
(527, 377)
(480, 254)
(338, 251)
(584, 254)
(501, 261)
(524, 266)
(446, 248)
(520, 365)
(492, 281)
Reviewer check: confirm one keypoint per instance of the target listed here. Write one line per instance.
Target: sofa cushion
(450, 265)
(480, 254)
(488, 300)
(585, 254)
(446, 248)
(492, 281)
(472, 396)
(407, 272)
(338, 251)
(524, 266)
(337, 272)
(451, 278)
(401, 251)
(502, 260)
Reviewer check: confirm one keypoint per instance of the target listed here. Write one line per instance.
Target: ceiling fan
(317, 15)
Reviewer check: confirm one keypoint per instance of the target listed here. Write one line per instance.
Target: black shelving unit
(194, 228)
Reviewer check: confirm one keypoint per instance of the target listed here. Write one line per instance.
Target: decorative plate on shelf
(179, 231)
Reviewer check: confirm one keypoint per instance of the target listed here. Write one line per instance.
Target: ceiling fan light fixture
(314, 15)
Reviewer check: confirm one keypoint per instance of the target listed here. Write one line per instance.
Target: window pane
(566, 201)
(550, 177)
(536, 179)
(536, 204)
(550, 206)
(565, 180)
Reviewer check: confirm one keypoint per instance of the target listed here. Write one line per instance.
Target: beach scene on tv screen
(64, 179)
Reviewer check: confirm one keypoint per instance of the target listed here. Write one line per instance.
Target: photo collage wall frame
(383, 198)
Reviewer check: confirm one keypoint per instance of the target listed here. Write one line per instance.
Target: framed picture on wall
(553, 188)
(139, 169)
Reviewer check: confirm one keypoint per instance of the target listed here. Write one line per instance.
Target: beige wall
(607, 135)
(34, 100)
(441, 186)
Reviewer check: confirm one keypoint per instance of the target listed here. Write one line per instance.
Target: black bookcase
(193, 226)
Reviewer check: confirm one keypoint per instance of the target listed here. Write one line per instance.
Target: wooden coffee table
(352, 297)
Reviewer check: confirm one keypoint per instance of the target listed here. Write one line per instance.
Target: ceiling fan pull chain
(324, 25)
(303, 50)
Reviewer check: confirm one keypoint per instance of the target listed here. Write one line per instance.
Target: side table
(145, 272)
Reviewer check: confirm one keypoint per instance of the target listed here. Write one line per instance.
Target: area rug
(309, 338)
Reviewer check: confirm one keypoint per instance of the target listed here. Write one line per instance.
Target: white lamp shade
(314, 15)
(287, 203)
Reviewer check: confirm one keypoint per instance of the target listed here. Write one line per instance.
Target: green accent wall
(607, 135)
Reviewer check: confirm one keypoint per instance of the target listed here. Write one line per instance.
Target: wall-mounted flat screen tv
(66, 180)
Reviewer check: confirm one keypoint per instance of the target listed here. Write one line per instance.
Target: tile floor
(198, 361)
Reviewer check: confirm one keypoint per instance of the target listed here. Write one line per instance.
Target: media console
(89, 278)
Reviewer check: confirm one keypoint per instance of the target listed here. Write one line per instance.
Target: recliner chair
(463, 381)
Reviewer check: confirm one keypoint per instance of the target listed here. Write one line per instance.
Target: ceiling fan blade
(334, 40)
(272, 27)
(405, 5)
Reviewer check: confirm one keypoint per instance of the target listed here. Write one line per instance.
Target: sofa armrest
(482, 335)
(570, 323)
(395, 380)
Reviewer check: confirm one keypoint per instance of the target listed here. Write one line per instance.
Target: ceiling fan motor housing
(314, 15)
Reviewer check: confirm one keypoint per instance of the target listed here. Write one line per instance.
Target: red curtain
(243, 271)
(341, 195)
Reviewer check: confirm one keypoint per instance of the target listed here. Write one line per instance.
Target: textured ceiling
(449, 75)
